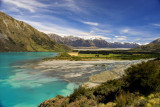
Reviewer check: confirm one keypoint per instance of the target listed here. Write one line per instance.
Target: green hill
(19, 36)
(152, 47)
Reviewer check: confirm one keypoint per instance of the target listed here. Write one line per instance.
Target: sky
(113, 20)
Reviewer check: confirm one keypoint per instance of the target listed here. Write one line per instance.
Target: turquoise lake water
(20, 88)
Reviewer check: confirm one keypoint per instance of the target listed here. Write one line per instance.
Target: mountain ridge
(154, 46)
(19, 36)
(80, 42)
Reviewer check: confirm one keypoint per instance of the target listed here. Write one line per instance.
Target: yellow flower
(151, 96)
(152, 101)
(141, 98)
(110, 104)
(148, 105)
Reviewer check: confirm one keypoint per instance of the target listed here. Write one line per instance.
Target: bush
(144, 77)
(59, 96)
(75, 58)
(107, 91)
(77, 94)
(124, 99)
(64, 54)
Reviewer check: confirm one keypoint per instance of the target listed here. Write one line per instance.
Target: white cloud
(101, 31)
(52, 6)
(70, 5)
(132, 32)
(125, 30)
(156, 25)
(30, 5)
(120, 38)
(91, 23)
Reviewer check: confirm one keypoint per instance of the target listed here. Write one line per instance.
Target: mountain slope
(18, 36)
(80, 42)
(153, 46)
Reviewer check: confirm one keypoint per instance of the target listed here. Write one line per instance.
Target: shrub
(77, 94)
(103, 65)
(96, 65)
(144, 77)
(107, 91)
(59, 96)
(75, 58)
(124, 99)
(64, 54)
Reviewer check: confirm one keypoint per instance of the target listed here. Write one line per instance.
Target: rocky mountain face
(19, 36)
(123, 45)
(153, 46)
(80, 42)
(157, 41)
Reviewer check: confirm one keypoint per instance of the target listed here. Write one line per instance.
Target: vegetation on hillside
(19, 36)
(152, 47)
(139, 87)
(64, 56)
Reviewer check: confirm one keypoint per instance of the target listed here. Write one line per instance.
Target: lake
(21, 88)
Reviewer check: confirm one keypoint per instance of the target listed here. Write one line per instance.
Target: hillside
(153, 46)
(19, 36)
(80, 42)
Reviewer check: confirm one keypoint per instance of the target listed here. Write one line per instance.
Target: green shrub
(144, 77)
(75, 58)
(124, 99)
(107, 91)
(77, 94)
(96, 65)
(63, 54)
(103, 65)
(59, 96)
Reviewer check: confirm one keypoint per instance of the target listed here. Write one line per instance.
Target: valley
(80, 67)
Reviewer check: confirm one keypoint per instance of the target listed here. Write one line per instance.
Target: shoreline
(86, 73)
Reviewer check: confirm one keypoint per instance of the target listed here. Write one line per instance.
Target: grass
(92, 55)
(75, 56)
(119, 56)
(73, 53)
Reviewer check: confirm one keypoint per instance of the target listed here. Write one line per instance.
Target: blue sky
(113, 20)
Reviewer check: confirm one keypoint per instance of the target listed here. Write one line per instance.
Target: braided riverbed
(26, 80)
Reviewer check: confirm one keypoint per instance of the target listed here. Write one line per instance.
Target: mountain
(80, 42)
(19, 36)
(152, 47)
(157, 41)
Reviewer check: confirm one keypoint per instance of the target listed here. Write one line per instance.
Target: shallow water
(21, 88)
